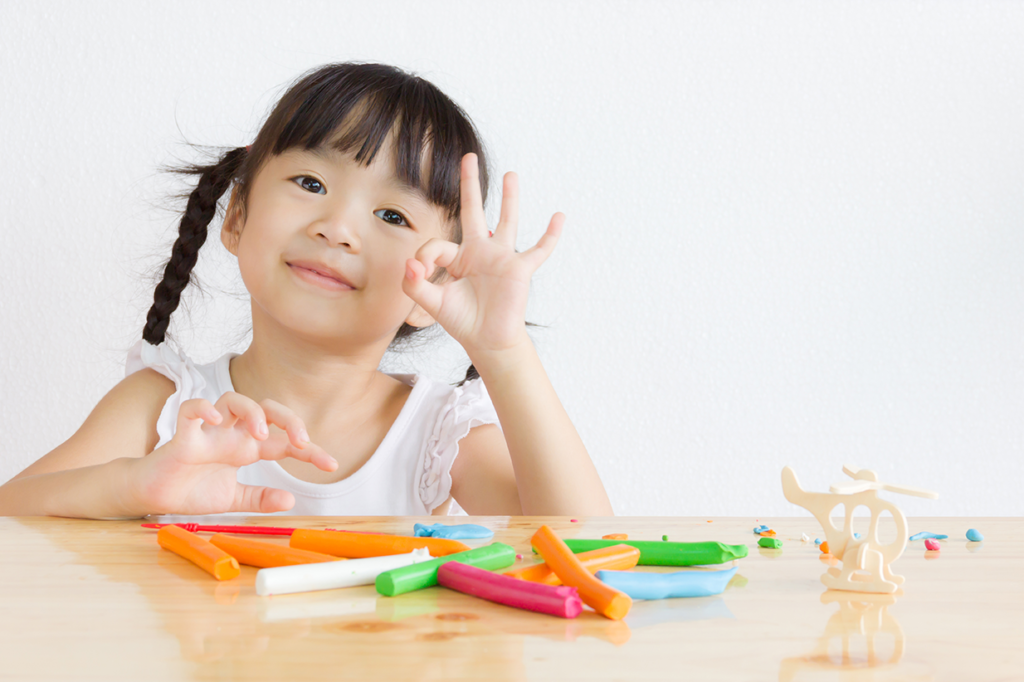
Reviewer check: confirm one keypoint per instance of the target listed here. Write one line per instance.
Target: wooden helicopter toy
(866, 562)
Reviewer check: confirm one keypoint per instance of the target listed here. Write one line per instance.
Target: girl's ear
(232, 227)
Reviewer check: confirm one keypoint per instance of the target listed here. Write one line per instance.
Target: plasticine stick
(213, 560)
(557, 601)
(606, 600)
(419, 576)
(668, 585)
(615, 558)
(333, 574)
(263, 554)
(654, 553)
(360, 545)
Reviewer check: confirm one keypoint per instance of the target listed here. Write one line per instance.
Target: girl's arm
(553, 471)
(109, 469)
(84, 476)
(483, 308)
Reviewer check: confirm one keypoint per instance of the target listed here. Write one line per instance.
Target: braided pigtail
(214, 181)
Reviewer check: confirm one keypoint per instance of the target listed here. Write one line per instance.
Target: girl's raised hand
(195, 472)
(483, 302)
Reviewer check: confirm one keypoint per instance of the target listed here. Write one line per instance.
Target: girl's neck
(320, 387)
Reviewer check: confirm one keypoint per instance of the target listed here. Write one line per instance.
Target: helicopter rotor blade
(851, 487)
(908, 490)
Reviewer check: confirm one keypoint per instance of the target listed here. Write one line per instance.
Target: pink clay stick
(562, 601)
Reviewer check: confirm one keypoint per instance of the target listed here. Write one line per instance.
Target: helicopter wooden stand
(866, 562)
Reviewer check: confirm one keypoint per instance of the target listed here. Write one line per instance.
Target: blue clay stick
(465, 531)
(974, 536)
(667, 585)
(925, 535)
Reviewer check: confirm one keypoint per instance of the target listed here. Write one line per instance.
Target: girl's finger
(193, 412)
(423, 292)
(235, 406)
(539, 252)
(474, 223)
(436, 253)
(251, 498)
(278, 446)
(508, 222)
(283, 417)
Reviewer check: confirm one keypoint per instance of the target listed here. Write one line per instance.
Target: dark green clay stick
(419, 576)
(655, 553)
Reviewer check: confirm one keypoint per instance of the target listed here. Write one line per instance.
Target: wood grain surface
(99, 600)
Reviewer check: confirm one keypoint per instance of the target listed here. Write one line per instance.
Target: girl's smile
(320, 275)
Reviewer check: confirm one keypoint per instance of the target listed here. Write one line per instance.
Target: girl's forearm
(554, 472)
(92, 492)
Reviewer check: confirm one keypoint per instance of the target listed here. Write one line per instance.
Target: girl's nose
(340, 228)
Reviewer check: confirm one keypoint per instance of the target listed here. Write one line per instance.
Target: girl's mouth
(319, 279)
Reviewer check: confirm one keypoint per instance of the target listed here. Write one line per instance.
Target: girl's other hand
(195, 472)
(483, 302)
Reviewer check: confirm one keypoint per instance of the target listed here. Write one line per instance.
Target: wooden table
(99, 600)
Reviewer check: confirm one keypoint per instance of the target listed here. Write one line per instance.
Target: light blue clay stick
(464, 531)
(925, 535)
(974, 536)
(667, 585)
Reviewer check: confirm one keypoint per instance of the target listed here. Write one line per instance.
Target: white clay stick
(333, 574)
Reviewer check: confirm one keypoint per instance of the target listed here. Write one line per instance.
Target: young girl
(357, 219)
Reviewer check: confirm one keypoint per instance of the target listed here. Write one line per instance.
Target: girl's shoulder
(452, 412)
(190, 379)
(208, 381)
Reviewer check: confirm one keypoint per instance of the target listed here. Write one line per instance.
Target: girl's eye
(311, 184)
(393, 217)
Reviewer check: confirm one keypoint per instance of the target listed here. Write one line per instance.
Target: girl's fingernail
(409, 272)
(262, 429)
(303, 436)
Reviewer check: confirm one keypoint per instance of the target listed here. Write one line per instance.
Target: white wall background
(794, 229)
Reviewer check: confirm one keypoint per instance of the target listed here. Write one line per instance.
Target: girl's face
(312, 211)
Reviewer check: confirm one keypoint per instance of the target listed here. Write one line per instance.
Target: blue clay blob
(465, 531)
(856, 535)
(974, 536)
(668, 585)
(925, 535)
(760, 529)
(817, 541)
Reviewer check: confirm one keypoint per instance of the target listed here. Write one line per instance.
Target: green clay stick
(419, 576)
(770, 543)
(655, 553)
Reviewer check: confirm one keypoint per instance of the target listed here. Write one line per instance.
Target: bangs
(356, 109)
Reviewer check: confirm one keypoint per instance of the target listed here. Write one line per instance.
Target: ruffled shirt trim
(188, 380)
(468, 406)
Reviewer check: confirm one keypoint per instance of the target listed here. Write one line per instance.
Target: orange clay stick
(263, 554)
(618, 536)
(606, 600)
(213, 560)
(614, 558)
(361, 545)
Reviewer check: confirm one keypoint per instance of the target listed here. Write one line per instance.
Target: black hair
(351, 107)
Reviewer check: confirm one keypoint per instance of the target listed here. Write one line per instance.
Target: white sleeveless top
(409, 474)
